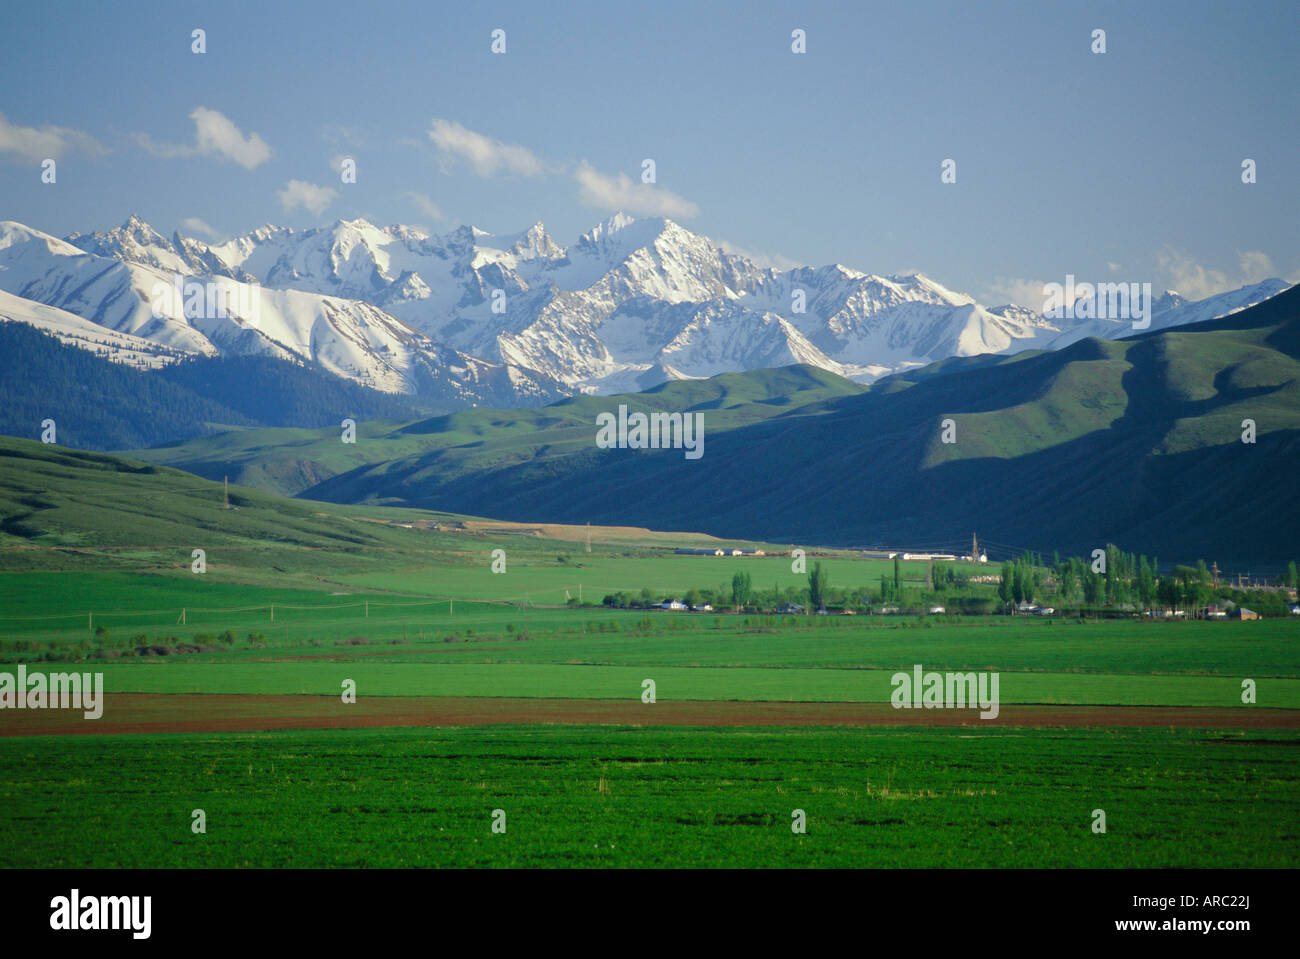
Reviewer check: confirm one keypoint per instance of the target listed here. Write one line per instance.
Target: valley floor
(602, 796)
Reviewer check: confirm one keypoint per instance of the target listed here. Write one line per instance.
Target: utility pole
(588, 536)
(1214, 570)
(974, 549)
(226, 493)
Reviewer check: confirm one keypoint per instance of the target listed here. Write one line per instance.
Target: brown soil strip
(198, 713)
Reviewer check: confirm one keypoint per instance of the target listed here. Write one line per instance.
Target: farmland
(616, 796)
(522, 691)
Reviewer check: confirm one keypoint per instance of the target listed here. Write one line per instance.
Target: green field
(673, 683)
(94, 576)
(584, 796)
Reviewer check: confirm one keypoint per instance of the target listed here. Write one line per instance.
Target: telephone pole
(225, 496)
(588, 536)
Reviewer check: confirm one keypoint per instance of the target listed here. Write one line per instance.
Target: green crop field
(298, 597)
(702, 683)
(584, 796)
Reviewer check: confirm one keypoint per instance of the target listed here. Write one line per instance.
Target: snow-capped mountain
(631, 301)
(141, 286)
(1172, 309)
(73, 330)
(629, 304)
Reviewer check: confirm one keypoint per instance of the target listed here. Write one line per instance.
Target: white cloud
(621, 192)
(336, 133)
(34, 144)
(214, 135)
(309, 196)
(1256, 265)
(1022, 292)
(194, 225)
(1196, 281)
(485, 156)
(774, 261)
(426, 205)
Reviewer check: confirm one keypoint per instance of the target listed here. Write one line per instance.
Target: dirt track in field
(199, 713)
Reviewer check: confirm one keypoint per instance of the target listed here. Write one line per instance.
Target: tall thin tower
(974, 549)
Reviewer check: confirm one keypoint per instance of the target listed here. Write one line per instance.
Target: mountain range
(466, 318)
(1142, 442)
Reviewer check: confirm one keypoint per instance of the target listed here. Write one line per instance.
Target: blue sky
(1122, 165)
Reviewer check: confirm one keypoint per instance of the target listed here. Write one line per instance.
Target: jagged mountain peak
(632, 295)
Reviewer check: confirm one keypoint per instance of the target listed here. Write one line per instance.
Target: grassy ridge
(445, 448)
(1043, 443)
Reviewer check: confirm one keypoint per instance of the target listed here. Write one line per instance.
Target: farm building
(1241, 612)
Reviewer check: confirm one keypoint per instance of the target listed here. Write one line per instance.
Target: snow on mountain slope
(1171, 309)
(72, 330)
(109, 293)
(351, 338)
(629, 301)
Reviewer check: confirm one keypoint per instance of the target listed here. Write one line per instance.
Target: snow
(631, 300)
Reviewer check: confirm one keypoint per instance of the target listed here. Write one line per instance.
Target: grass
(449, 447)
(585, 797)
(88, 540)
(672, 682)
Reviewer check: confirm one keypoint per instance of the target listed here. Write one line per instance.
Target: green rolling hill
(316, 463)
(1136, 442)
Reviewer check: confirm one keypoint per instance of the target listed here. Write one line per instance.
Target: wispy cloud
(1017, 290)
(194, 225)
(1196, 281)
(774, 261)
(34, 144)
(308, 196)
(215, 134)
(621, 192)
(425, 205)
(485, 156)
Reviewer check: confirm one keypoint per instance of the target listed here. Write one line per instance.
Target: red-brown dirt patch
(197, 713)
